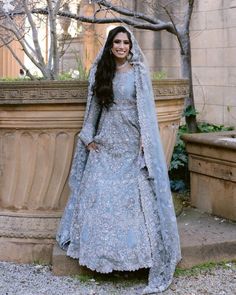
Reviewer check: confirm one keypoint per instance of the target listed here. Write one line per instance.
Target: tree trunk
(186, 71)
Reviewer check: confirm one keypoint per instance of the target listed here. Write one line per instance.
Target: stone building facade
(213, 43)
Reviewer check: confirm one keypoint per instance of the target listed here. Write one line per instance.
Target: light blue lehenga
(120, 213)
(108, 229)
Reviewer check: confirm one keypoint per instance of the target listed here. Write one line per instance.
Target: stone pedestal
(212, 165)
(65, 265)
(75, 51)
(39, 122)
(38, 126)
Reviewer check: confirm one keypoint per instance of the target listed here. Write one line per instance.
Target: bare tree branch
(20, 34)
(17, 21)
(57, 6)
(53, 53)
(189, 14)
(25, 49)
(41, 61)
(53, 32)
(18, 60)
(175, 28)
(136, 24)
(128, 12)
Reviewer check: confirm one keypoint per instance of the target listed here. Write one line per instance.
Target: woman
(120, 214)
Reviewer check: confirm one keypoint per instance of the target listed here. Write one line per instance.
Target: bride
(120, 213)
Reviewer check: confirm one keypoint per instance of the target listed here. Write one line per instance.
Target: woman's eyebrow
(116, 40)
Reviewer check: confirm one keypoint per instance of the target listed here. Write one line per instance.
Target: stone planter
(212, 165)
(169, 98)
(39, 122)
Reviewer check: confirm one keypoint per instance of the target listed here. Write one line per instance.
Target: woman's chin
(121, 57)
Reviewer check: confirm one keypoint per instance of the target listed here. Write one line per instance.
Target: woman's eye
(119, 41)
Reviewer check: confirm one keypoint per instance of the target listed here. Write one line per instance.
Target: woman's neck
(122, 65)
(120, 62)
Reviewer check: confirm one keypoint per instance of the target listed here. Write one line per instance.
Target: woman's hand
(92, 146)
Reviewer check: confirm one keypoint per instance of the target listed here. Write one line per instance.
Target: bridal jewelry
(122, 66)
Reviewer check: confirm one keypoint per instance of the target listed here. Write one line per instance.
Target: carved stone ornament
(65, 21)
(46, 92)
(25, 226)
(75, 91)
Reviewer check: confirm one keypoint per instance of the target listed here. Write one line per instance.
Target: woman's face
(121, 46)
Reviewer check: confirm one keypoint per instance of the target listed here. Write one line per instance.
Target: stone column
(9, 66)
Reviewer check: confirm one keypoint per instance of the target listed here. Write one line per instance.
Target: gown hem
(135, 268)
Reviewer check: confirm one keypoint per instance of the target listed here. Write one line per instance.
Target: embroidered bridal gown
(120, 213)
(109, 228)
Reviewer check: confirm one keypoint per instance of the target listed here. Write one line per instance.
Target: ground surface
(38, 280)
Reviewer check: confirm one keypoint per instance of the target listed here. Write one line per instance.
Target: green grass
(159, 75)
(10, 79)
(140, 277)
(124, 278)
(83, 278)
(198, 269)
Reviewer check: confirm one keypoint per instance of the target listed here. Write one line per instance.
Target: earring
(129, 57)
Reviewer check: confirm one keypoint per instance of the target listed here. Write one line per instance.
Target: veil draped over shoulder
(166, 247)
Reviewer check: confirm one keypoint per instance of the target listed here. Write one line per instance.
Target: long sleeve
(88, 130)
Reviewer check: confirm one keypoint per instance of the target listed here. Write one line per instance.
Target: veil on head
(137, 57)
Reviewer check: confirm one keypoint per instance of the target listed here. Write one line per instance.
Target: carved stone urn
(169, 99)
(39, 122)
(65, 22)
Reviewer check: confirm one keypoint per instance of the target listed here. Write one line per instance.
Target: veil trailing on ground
(165, 246)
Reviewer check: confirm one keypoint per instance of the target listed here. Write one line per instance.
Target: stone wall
(214, 60)
(213, 31)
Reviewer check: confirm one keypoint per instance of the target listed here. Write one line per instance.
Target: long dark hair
(106, 68)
